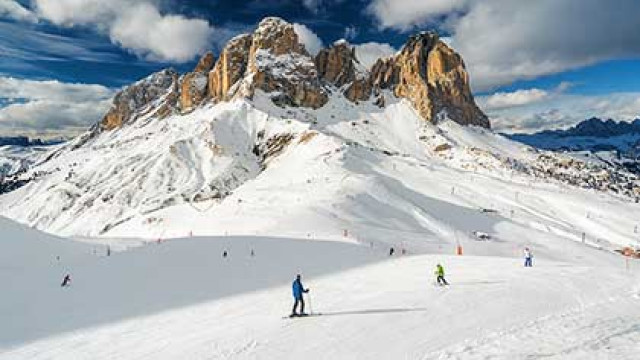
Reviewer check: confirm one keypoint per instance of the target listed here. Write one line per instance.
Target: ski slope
(181, 298)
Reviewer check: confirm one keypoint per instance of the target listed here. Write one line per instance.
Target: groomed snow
(181, 298)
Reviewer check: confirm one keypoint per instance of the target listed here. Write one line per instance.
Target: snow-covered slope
(247, 168)
(182, 298)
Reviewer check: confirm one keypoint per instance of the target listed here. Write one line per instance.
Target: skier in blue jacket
(298, 290)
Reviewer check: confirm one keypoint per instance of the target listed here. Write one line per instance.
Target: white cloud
(369, 53)
(563, 110)
(12, 88)
(503, 100)
(143, 30)
(137, 26)
(13, 10)
(308, 38)
(50, 108)
(504, 40)
(405, 14)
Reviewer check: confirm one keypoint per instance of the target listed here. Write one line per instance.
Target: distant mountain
(590, 135)
(26, 141)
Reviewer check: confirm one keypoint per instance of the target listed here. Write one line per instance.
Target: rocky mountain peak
(277, 36)
(433, 77)
(271, 60)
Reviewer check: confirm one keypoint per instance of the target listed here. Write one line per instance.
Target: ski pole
(310, 307)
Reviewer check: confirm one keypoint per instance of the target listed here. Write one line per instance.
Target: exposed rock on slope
(339, 66)
(193, 89)
(433, 77)
(280, 66)
(155, 95)
(230, 68)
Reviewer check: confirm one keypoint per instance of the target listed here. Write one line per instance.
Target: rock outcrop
(280, 66)
(338, 65)
(193, 89)
(230, 68)
(155, 95)
(433, 77)
(271, 60)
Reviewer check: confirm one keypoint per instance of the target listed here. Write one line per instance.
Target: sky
(533, 65)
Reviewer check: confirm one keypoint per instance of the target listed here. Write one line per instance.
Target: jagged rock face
(384, 74)
(280, 66)
(193, 89)
(230, 68)
(433, 77)
(426, 72)
(155, 95)
(338, 65)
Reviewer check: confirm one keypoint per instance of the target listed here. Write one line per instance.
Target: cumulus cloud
(521, 97)
(406, 14)
(369, 53)
(503, 100)
(503, 40)
(308, 38)
(13, 10)
(50, 108)
(137, 26)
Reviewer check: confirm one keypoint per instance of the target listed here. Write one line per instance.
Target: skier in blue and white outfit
(298, 290)
(528, 258)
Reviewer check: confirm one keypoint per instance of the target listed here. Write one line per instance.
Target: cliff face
(193, 89)
(432, 76)
(280, 65)
(339, 66)
(155, 95)
(230, 68)
(426, 72)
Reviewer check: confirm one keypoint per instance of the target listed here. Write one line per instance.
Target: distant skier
(528, 258)
(298, 290)
(391, 251)
(224, 254)
(440, 275)
(66, 281)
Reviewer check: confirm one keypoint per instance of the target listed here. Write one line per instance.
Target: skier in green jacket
(440, 275)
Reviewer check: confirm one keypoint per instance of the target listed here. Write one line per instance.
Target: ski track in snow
(604, 330)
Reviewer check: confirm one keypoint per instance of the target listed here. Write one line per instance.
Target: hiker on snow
(298, 290)
(66, 281)
(528, 258)
(440, 275)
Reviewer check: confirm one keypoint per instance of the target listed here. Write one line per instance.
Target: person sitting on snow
(440, 275)
(298, 290)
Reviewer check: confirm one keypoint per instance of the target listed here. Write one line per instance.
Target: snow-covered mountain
(198, 197)
(590, 135)
(267, 136)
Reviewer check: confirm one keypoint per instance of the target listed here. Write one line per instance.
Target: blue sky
(533, 64)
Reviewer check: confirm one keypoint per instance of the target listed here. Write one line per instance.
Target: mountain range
(265, 136)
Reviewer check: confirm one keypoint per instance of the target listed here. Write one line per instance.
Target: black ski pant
(442, 281)
(300, 301)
